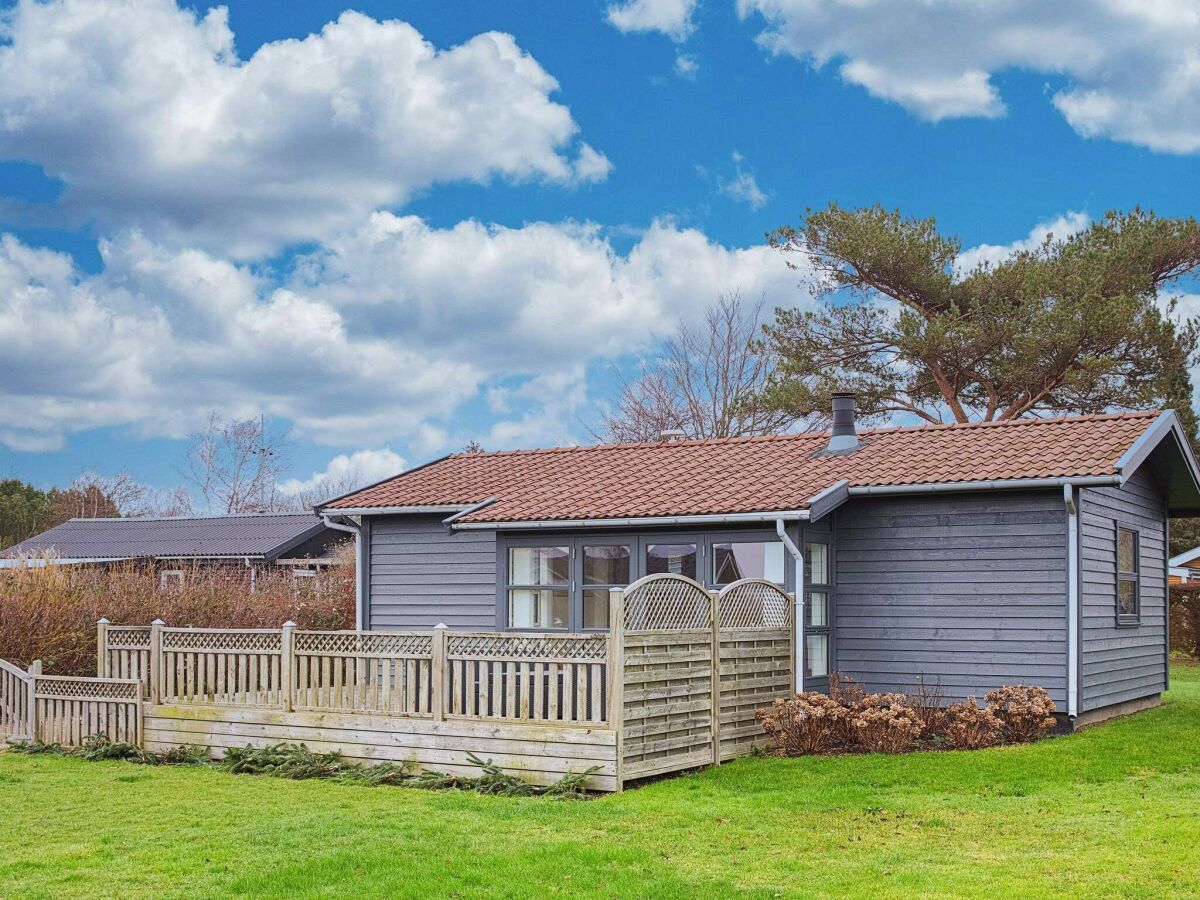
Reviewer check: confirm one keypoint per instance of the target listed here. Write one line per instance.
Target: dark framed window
(605, 566)
(674, 557)
(562, 584)
(1128, 569)
(539, 587)
(736, 559)
(817, 580)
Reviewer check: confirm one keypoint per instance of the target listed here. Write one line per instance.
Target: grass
(1111, 811)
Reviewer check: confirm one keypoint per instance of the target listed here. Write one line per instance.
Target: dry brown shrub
(885, 723)
(969, 726)
(1024, 711)
(50, 613)
(928, 706)
(805, 724)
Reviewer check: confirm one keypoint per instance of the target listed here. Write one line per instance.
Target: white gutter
(1072, 601)
(994, 484)
(396, 510)
(717, 519)
(798, 610)
(360, 555)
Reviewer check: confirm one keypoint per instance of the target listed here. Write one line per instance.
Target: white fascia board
(397, 510)
(1184, 558)
(996, 484)
(716, 519)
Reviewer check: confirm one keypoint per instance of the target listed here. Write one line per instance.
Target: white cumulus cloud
(1063, 226)
(348, 472)
(377, 337)
(671, 17)
(1131, 67)
(151, 119)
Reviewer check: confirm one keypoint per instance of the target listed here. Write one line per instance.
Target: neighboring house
(1185, 568)
(975, 555)
(248, 542)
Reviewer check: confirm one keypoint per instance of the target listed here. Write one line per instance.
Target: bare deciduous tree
(235, 466)
(705, 383)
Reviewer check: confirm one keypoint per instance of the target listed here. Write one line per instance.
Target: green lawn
(1114, 810)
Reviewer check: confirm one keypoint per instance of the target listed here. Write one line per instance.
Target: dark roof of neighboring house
(751, 475)
(259, 535)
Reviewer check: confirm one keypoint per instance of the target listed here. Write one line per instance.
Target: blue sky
(395, 247)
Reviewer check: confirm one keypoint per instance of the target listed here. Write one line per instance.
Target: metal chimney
(842, 437)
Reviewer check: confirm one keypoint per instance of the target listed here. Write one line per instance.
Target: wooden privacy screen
(692, 679)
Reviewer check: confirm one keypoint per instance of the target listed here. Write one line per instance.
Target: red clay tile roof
(760, 474)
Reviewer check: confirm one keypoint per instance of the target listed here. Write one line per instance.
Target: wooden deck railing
(546, 678)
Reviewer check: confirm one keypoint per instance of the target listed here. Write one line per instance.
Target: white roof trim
(1186, 557)
(713, 519)
(398, 510)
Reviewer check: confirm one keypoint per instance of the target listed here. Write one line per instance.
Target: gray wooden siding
(420, 574)
(968, 588)
(1121, 662)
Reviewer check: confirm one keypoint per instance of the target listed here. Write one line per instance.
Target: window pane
(818, 563)
(1127, 597)
(816, 609)
(538, 565)
(674, 559)
(1126, 550)
(747, 559)
(538, 609)
(595, 608)
(816, 655)
(606, 564)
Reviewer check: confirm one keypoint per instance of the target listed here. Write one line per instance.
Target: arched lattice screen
(667, 603)
(754, 603)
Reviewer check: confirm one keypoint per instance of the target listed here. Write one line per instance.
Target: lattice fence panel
(236, 640)
(526, 648)
(68, 710)
(754, 603)
(361, 671)
(15, 711)
(667, 603)
(127, 637)
(365, 643)
(552, 679)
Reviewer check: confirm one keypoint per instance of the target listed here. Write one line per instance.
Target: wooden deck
(674, 684)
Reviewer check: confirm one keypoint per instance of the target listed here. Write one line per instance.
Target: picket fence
(673, 684)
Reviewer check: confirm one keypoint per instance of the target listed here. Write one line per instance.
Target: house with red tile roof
(1032, 550)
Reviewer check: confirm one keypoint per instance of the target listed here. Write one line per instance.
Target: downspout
(1072, 602)
(798, 611)
(360, 551)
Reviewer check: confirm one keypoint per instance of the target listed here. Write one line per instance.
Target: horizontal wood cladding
(1122, 662)
(968, 589)
(421, 574)
(540, 754)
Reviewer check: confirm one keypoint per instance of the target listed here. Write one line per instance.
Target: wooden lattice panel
(127, 637)
(754, 603)
(527, 648)
(667, 603)
(365, 643)
(85, 688)
(225, 641)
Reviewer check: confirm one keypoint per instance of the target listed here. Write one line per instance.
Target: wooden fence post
(437, 671)
(715, 616)
(35, 669)
(156, 628)
(287, 645)
(102, 647)
(616, 675)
